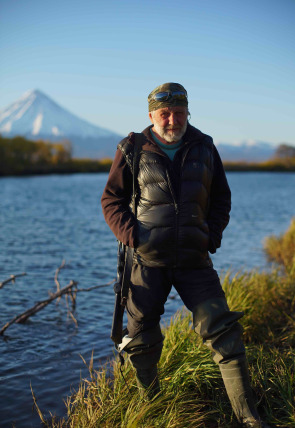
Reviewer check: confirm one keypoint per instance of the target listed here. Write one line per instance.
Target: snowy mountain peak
(246, 150)
(36, 115)
(245, 143)
(33, 93)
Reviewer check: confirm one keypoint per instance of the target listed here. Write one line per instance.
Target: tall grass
(282, 249)
(192, 392)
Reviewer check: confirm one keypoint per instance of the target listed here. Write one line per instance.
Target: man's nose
(172, 119)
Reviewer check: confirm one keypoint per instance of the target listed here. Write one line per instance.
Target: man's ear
(151, 117)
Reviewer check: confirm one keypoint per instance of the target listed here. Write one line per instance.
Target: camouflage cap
(155, 104)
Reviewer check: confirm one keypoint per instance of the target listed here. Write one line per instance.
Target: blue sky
(100, 59)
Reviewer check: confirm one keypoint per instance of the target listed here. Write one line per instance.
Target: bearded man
(182, 206)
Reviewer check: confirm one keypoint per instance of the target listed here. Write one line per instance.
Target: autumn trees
(19, 156)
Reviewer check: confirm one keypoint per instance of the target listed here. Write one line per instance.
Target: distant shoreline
(88, 166)
(22, 157)
(94, 167)
(268, 166)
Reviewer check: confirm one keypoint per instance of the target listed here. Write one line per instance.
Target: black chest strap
(138, 143)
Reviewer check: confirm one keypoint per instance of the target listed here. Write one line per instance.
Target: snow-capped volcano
(36, 116)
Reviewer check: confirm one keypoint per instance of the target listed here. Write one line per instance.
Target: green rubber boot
(144, 351)
(148, 382)
(237, 384)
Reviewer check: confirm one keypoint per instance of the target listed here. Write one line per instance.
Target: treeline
(19, 156)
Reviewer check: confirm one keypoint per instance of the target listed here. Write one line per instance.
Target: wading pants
(201, 292)
(148, 293)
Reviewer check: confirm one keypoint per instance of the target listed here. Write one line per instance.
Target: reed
(192, 392)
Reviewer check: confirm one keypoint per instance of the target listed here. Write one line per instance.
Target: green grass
(192, 392)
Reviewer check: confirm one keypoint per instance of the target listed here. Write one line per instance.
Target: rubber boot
(237, 384)
(148, 382)
(144, 351)
(222, 334)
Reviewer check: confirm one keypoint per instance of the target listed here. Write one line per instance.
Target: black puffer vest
(173, 201)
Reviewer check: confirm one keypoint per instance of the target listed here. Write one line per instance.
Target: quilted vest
(172, 204)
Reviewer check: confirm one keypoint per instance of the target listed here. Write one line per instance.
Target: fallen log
(38, 306)
(69, 290)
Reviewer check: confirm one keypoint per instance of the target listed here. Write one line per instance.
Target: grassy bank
(192, 390)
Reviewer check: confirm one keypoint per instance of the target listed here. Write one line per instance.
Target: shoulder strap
(138, 143)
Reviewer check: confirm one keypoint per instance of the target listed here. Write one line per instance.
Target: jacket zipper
(181, 166)
(179, 198)
(176, 211)
(168, 168)
(176, 207)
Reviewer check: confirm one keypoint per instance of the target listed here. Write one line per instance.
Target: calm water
(44, 220)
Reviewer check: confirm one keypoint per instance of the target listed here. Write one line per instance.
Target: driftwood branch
(95, 286)
(69, 291)
(56, 277)
(12, 278)
(38, 306)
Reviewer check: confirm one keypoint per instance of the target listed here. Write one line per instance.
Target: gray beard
(173, 137)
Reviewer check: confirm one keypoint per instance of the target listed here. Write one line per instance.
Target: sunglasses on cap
(167, 95)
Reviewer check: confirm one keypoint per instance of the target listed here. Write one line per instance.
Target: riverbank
(88, 166)
(274, 165)
(75, 166)
(192, 389)
(21, 157)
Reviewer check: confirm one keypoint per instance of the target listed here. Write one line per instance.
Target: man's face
(169, 123)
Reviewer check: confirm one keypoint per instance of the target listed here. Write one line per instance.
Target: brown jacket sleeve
(115, 201)
(220, 204)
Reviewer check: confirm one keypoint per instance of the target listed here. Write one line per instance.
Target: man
(182, 207)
